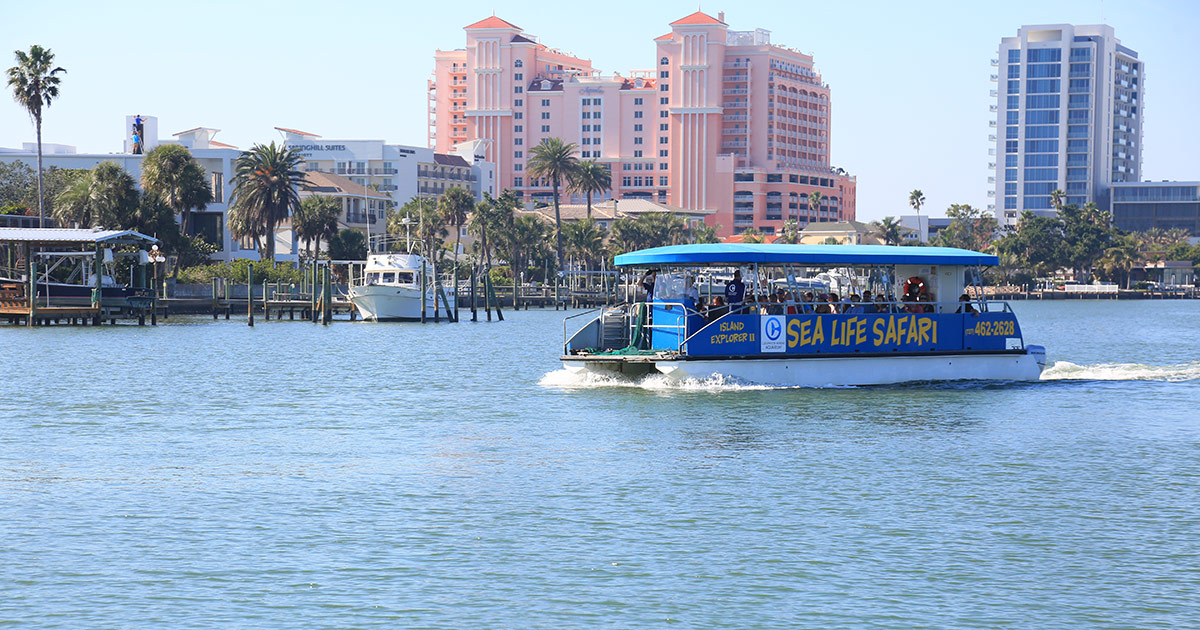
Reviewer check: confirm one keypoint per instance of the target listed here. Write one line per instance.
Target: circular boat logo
(774, 329)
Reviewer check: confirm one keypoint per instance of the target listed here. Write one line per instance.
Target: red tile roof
(492, 22)
(220, 145)
(667, 36)
(698, 17)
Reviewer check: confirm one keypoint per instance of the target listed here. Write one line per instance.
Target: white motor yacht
(390, 289)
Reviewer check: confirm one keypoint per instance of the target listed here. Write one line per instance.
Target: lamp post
(156, 257)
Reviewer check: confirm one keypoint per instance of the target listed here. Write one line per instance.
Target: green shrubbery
(235, 271)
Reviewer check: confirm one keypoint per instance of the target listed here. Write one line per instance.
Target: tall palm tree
(267, 181)
(170, 171)
(889, 231)
(1057, 197)
(316, 220)
(814, 202)
(591, 177)
(455, 204)
(106, 197)
(916, 199)
(1120, 259)
(34, 83)
(528, 237)
(554, 160)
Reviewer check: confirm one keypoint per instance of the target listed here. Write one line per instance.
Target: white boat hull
(381, 302)
(840, 371)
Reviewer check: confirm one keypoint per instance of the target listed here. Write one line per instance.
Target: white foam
(568, 379)
(1065, 370)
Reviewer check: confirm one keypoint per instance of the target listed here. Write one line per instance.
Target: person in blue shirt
(735, 292)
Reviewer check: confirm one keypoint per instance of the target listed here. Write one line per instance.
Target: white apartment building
(1069, 116)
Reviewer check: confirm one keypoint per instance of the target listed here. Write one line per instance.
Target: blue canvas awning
(734, 254)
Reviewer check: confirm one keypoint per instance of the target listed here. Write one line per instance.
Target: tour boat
(921, 331)
(391, 289)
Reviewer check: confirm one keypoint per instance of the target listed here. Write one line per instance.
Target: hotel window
(637, 114)
(663, 166)
(638, 167)
(637, 140)
(545, 115)
(545, 102)
(586, 115)
(595, 127)
(637, 101)
(662, 127)
(518, 102)
(518, 141)
(587, 128)
(545, 128)
(664, 61)
(518, 115)
(637, 127)
(664, 88)
(637, 154)
(662, 153)
(626, 181)
(518, 154)
(518, 181)
(518, 128)
(662, 100)
(662, 180)
(587, 141)
(218, 187)
(518, 89)
(662, 139)
(637, 181)
(663, 74)
(517, 77)
(518, 63)
(626, 166)
(518, 167)
(662, 114)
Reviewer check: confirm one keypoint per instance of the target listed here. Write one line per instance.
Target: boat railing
(680, 327)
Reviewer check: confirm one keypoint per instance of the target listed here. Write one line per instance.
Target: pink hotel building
(727, 122)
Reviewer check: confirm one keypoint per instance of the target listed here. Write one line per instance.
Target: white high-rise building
(1068, 117)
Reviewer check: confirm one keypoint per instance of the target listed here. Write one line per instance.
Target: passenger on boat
(882, 305)
(868, 304)
(806, 304)
(924, 303)
(834, 303)
(735, 292)
(789, 301)
(965, 304)
(775, 305)
(647, 283)
(852, 305)
(822, 303)
(690, 291)
(717, 308)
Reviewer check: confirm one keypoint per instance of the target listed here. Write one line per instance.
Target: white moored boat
(390, 288)
(922, 327)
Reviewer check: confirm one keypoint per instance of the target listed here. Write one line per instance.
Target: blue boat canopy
(745, 253)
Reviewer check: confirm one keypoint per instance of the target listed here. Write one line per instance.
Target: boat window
(668, 287)
(389, 278)
(404, 278)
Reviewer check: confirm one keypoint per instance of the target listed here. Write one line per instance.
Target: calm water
(205, 474)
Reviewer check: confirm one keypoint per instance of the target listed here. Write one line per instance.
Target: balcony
(991, 179)
(991, 193)
(734, 144)
(991, 166)
(383, 171)
(735, 118)
(735, 91)
(992, 124)
(993, 93)
(992, 108)
(995, 63)
(735, 104)
(735, 131)
(738, 78)
(995, 78)
(389, 188)
(737, 64)
(991, 137)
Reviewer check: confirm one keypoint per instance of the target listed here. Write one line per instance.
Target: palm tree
(316, 220)
(1057, 197)
(585, 240)
(704, 233)
(591, 177)
(528, 237)
(554, 160)
(267, 180)
(1120, 259)
(106, 197)
(35, 85)
(814, 202)
(455, 204)
(916, 199)
(889, 231)
(790, 233)
(752, 235)
(170, 172)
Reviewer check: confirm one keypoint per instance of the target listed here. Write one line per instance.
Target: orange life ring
(914, 282)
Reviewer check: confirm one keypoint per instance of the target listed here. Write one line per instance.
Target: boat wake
(1065, 370)
(567, 379)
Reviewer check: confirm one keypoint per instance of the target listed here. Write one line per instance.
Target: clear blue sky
(910, 80)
